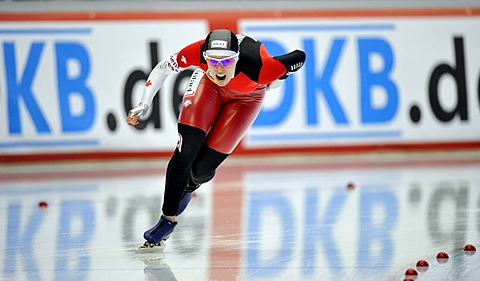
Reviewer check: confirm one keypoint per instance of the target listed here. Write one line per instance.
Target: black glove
(292, 61)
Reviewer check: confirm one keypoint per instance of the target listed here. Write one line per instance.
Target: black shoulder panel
(250, 61)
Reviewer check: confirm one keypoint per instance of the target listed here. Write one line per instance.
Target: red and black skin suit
(214, 119)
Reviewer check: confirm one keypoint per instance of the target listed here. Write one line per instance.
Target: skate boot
(186, 197)
(156, 235)
(161, 231)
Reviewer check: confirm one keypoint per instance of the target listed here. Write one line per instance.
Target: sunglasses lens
(228, 61)
(213, 62)
(224, 62)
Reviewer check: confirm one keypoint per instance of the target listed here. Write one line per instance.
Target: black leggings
(193, 162)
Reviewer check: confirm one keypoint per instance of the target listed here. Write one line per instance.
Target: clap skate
(150, 248)
(156, 236)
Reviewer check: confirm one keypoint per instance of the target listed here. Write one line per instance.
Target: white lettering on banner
(360, 85)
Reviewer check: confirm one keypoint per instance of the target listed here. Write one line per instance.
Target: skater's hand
(135, 113)
(275, 84)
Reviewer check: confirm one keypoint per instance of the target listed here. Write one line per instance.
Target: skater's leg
(205, 164)
(179, 167)
(204, 103)
(203, 170)
(233, 121)
(186, 196)
(177, 178)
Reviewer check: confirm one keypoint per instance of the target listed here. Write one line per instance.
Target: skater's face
(221, 68)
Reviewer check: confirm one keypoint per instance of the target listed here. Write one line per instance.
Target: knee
(200, 177)
(205, 164)
(190, 140)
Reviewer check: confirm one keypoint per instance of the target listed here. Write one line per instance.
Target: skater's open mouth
(221, 77)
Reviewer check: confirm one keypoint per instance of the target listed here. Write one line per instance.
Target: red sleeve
(190, 55)
(271, 69)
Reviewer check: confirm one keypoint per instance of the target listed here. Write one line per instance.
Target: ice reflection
(253, 222)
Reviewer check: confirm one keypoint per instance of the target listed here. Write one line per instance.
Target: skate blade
(150, 251)
(151, 258)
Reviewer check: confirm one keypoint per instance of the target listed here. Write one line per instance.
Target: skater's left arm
(173, 64)
(278, 68)
(155, 81)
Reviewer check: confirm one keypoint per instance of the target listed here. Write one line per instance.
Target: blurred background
(379, 75)
(362, 163)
